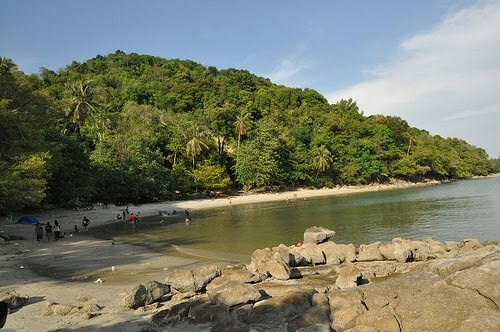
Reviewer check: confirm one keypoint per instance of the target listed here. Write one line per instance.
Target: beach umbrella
(28, 220)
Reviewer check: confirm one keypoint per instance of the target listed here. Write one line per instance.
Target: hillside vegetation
(136, 128)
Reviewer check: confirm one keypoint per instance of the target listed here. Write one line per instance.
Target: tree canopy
(136, 128)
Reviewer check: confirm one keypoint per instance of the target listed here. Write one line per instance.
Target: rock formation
(404, 285)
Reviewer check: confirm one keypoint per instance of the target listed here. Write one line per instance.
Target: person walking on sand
(85, 224)
(57, 230)
(39, 232)
(48, 231)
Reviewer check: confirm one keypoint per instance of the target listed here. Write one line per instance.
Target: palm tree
(243, 121)
(82, 103)
(322, 159)
(7, 64)
(196, 144)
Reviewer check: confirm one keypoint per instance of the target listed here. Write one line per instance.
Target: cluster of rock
(324, 286)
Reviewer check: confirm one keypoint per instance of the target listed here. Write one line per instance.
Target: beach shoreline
(104, 215)
(66, 271)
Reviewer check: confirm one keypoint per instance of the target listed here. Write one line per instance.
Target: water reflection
(446, 212)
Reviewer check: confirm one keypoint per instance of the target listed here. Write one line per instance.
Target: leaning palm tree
(322, 160)
(196, 144)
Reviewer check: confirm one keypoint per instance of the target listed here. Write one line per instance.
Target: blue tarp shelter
(28, 220)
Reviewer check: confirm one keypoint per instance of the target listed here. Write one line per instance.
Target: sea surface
(453, 211)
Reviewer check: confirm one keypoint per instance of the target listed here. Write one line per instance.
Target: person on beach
(39, 232)
(124, 215)
(57, 230)
(126, 210)
(139, 216)
(132, 218)
(76, 230)
(48, 231)
(85, 224)
(118, 217)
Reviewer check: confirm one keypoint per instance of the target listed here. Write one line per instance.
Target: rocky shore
(317, 285)
(323, 286)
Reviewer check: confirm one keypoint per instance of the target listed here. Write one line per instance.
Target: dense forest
(137, 128)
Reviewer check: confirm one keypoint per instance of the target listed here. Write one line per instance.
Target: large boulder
(380, 319)
(387, 251)
(181, 280)
(310, 252)
(144, 294)
(317, 234)
(402, 250)
(267, 262)
(279, 310)
(369, 252)
(233, 293)
(346, 305)
(204, 275)
(348, 277)
(192, 280)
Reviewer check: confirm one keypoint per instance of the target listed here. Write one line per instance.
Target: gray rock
(369, 252)
(242, 275)
(181, 280)
(143, 294)
(233, 293)
(172, 316)
(267, 262)
(380, 319)
(483, 278)
(402, 250)
(484, 320)
(387, 251)
(204, 275)
(279, 310)
(311, 253)
(348, 277)
(346, 305)
(317, 234)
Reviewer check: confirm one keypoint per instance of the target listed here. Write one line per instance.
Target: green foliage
(211, 177)
(135, 128)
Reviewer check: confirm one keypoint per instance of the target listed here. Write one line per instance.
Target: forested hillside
(136, 128)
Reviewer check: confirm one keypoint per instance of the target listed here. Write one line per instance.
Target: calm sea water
(454, 211)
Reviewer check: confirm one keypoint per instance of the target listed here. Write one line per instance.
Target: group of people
(133, 218)
(55, 231)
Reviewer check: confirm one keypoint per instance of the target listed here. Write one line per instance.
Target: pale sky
(434, 63)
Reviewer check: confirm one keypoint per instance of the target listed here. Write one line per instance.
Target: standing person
(132, 218)
(57, 230)
(188, 218)
(48, 231)
(128, 212)
(123, 215)
(39, 232)
(85, 223)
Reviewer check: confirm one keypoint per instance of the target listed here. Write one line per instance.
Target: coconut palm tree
(82, 103)
(322, 159)
(196, 144)
(243, 122)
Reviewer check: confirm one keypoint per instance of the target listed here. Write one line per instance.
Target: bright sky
(435, 63)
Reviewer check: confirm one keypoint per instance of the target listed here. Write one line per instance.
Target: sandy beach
(66, 271)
